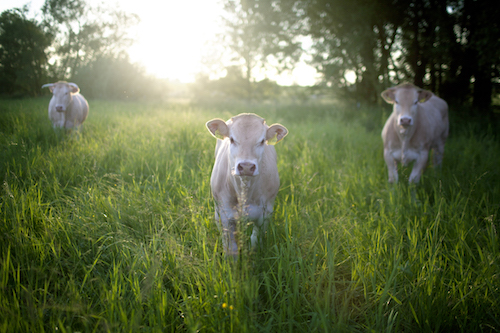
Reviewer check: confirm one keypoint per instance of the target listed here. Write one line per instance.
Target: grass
(114, 232)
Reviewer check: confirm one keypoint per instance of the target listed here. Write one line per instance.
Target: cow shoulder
(80, 105)
(269, 172)
(429, 123)
(220, 180)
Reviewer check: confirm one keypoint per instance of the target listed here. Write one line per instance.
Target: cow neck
(405, 137)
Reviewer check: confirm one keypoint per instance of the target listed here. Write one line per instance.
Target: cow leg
(229, 238)
(392, 167)
(78, 129)
(438, 155)
(255, 236)
(259, 229)
(419, 166)
(59, 131)
(227, 225)
(255, 213)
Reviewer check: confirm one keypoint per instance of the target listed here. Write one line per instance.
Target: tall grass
(114, 231)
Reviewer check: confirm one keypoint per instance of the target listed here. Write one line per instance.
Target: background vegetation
(114, 232)
(451, 47)
(72, 41)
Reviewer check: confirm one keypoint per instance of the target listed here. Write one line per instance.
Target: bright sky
(171, 36)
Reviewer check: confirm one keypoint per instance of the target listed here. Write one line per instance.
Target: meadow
(114, 231)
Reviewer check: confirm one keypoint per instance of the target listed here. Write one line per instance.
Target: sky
(171, 37)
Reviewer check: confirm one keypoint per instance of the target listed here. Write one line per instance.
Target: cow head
(405, 99)
(247, 135)
(62, 94)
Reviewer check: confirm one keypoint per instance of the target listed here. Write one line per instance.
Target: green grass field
(114, 231)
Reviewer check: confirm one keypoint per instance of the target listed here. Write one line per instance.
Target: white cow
(245, 179)
(67, 108)
(418, 123)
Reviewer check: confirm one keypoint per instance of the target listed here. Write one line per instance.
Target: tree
(476, 60)
(23, 61)
(356, 35)
(84, 33)
(233, 87)
(251, 39)
(451, 46)
(111, 77)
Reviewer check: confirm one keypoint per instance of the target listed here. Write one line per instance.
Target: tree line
(451, 47)
(71, 41)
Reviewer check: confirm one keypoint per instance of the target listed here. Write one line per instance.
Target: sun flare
(170, 38)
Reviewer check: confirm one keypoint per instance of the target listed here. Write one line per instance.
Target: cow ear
(73, 87)
(275, 133)
(218, 128)
(388, 95)
(424, 96)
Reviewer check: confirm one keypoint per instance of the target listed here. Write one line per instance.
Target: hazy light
(302, 75)
(350, 76)
(171, 35)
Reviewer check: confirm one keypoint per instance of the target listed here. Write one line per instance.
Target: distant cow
(418, 123)
(67, 108)
(245, 179)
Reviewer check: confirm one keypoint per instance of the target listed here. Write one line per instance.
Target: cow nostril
(405, 121)
(246, 168)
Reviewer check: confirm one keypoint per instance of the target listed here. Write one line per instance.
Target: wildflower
(225, 306)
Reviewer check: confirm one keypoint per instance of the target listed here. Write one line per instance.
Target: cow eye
(231, 139)
(262, 142)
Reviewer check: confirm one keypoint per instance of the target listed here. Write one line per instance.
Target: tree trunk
(483, 89)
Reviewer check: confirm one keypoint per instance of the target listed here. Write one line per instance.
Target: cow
(418, 123)
(68, 108)
(245, 179)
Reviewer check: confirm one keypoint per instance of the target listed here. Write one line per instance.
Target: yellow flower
(224, 305)
(231, 307)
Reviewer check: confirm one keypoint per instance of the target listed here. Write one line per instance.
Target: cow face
(247, 136)
(62, 94)
(406, 99)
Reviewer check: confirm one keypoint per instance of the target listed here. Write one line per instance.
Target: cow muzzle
(60, 108)
(246, 168)
(405, 121)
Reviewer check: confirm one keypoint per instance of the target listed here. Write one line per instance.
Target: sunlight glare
(171, 35)
(350, 76)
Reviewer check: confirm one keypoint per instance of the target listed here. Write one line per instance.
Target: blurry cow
(67, 108)
(418, 123)
(245, 179)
